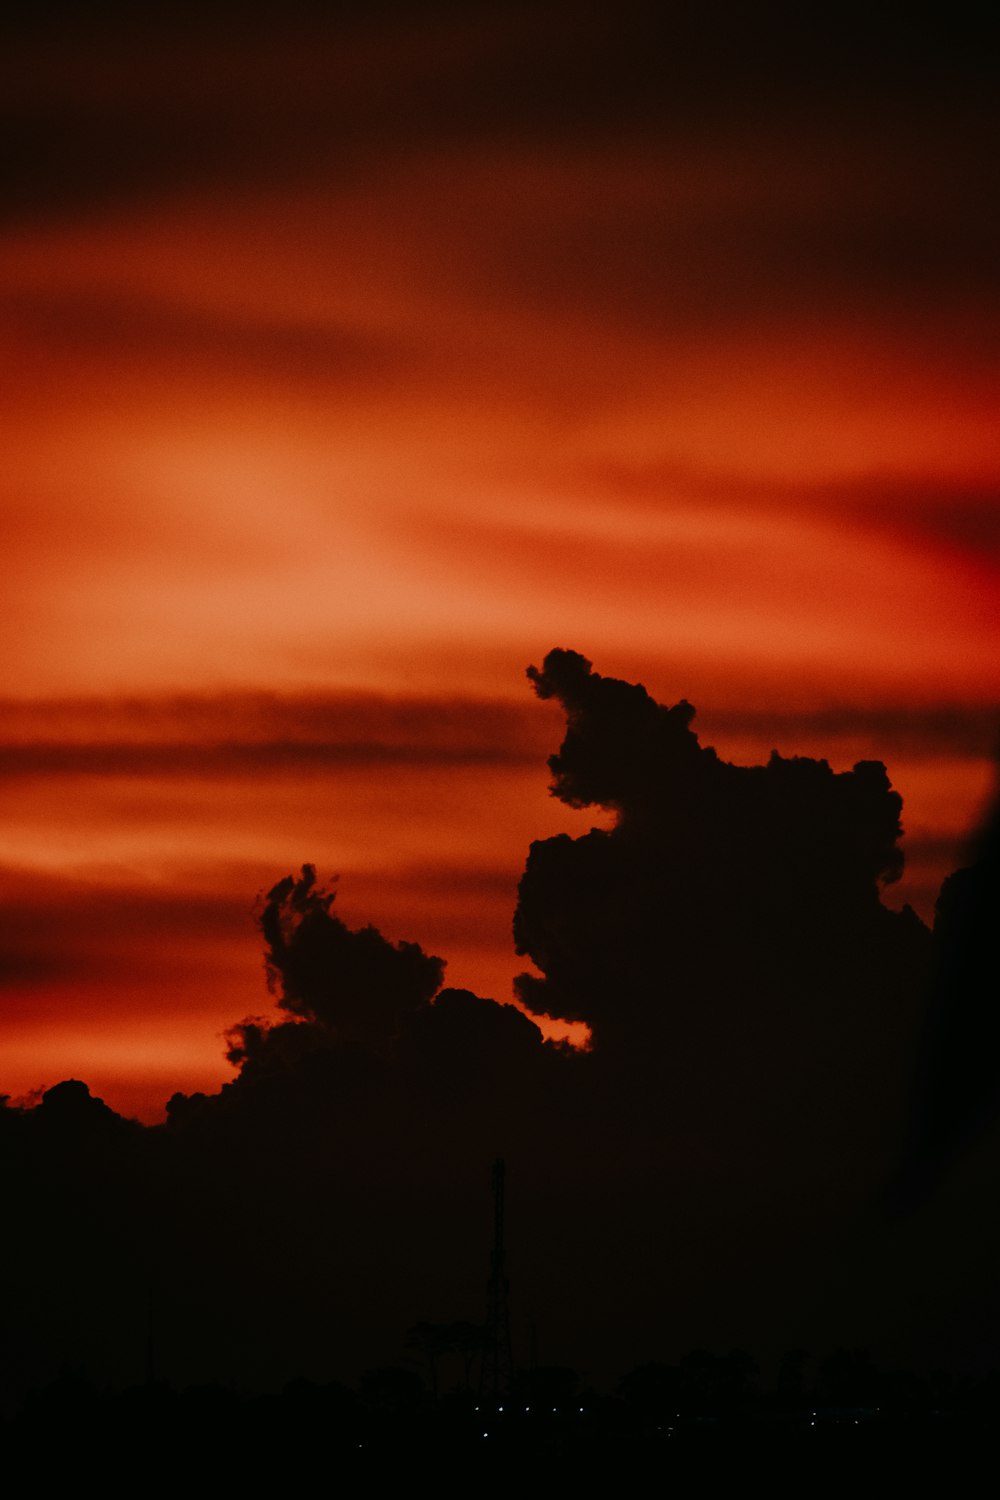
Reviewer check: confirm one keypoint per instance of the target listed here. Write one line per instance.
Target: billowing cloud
(712, 898)
(322, 971)
(756, 1011)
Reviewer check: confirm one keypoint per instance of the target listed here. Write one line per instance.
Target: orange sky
(347, 371)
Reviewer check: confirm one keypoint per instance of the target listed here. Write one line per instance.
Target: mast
(498, 1359)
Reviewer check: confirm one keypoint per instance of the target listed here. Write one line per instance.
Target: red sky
(352, 364)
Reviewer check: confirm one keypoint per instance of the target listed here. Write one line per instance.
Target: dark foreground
(152, 1433)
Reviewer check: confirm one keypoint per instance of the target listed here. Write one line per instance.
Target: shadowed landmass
(710, 1173)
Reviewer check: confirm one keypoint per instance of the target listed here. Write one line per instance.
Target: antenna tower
(498, 1358)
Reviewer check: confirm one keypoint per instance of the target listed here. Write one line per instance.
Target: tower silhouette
(498, 1359)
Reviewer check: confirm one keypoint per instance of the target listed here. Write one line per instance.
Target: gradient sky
(354, 362)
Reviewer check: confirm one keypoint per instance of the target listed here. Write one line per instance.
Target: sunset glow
(316, 436)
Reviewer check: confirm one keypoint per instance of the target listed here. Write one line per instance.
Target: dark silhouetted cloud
(734, 892)
(321, 970)
(958, 1087)
(711, 1171)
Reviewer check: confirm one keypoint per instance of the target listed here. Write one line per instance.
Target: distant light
(581, 1408)
(499, 1408)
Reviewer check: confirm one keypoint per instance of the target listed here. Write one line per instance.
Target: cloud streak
(357, 353)
(236, 733)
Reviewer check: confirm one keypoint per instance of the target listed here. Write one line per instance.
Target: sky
(354, 360)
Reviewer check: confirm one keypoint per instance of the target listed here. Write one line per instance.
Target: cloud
(704, 921)
(229, 733)
(708, 1172)
(957, 1097)
(86, 932)
(305, 288)
(107, 325)
(321, 970)
(916, 732)
(289, 82)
